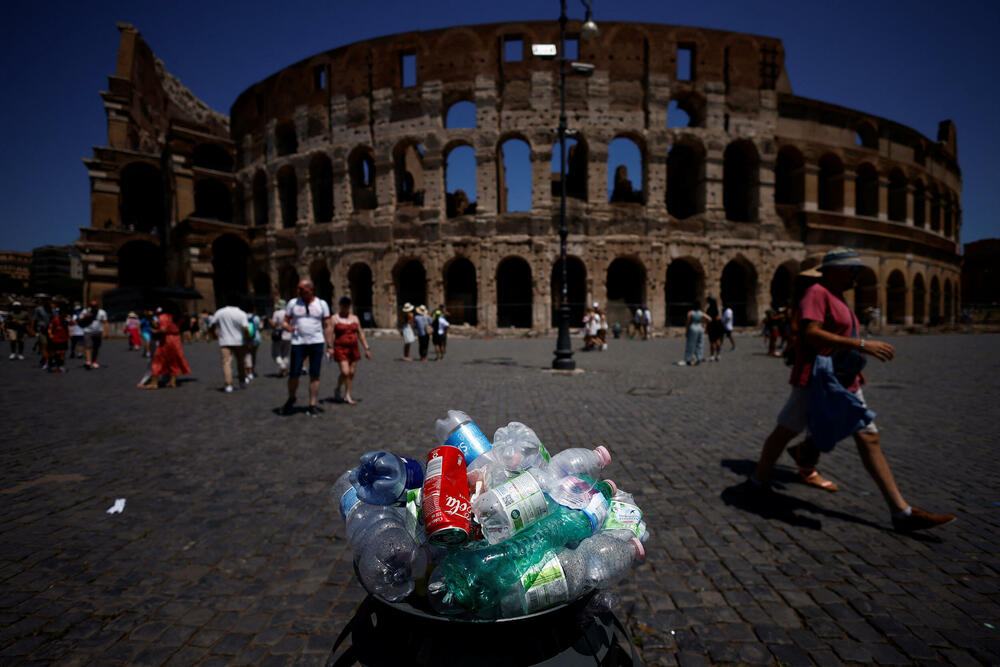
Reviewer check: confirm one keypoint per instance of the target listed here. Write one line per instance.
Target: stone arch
(626, 149)
(288, 196)
(361, 168)
(213, 200)
(321, 187)
(142, 205)
(460, 178)
(783, 284)
(260, 215)
(576, 169)
(514, 293)
(461, 291)
(919, 298)
(212, 156)
(790, 177)
(319, 273)
(262, 290)
(740, 190)
(935, 301)
(411, 282)
(286, 141)
(408, 165)
(625, 286)
(866, 135)
(865, 291)
(685, 284)
(576, 289)
(947, 211)
(949, 302)
(230, 256)
(935, 199)
(141, 264)
(919, 204)
(738, 289)
(288, 281)
(866, 190)
(360, 285)
(686, 178)
(897, 196)
(514, 174)
(686, 109)
(895, 295)
(461, 114)
(830, 192)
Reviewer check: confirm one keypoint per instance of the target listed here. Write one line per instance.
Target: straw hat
(810, 266)
(131, 313)
(407, 307)
(421, 309)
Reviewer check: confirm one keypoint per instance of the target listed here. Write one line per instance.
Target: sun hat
(131, 313)
(422, 309)
(840, 257)
(282, 304)
(407, 307)
(809, 267)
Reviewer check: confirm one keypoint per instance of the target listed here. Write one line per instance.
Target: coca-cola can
(447, 510)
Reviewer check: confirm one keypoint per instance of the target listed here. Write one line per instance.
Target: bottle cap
(614, 487)
(640, 551)
(603, 454)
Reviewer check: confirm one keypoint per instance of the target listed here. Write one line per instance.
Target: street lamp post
(564, 346)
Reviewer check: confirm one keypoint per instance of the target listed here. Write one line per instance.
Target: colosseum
(337, 168)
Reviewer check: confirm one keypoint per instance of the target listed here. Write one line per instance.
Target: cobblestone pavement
(228, 551)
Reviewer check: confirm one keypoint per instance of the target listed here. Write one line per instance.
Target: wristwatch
(862, 346)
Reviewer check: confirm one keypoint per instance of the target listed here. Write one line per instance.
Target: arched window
(947, 208)
(288, 195)
(514, 176)
(932, 194)
(260, 199)
(781, 287)
(626, 289)
(142, 206)
(866, 191)
(321, 187)
(408, 161)
(461, 293)
(461, 115)
(739, 291)
(288, 281)
(789, 177)
(411, 283)
(949, 313)
(685, 285)
(831, 184)
(919, 299)
(626, 171)
(685, 180)
(739, 181)
(677, 116)
(212, 200)
(895, 293)
(514, 293)
(576, 170)
(688, 110)
(866, 135)
(460, 180)
(359, 279)
(897, 196)
(212, 156)
(361, 166)
(919, 204)
(935, 301)
(576, 289)
(285, 140)
(319, 273)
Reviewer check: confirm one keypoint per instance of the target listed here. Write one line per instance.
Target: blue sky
(916, 63)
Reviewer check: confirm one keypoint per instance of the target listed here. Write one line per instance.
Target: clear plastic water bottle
(574, 461)
(517, 447)
(625, 518)
(478, 578)
(599, 562)
(389, 561)
(382, 478)
(458, 430)
(576, 491)
(510, 507)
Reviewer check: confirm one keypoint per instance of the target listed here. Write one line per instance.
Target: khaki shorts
(794, 416)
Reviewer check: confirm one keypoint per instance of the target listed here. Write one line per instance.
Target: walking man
(230, 323)
(308, 318)
(95, 327)
(828, 325)
(727, 326)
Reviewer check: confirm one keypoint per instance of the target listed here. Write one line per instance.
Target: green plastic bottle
(467, 581)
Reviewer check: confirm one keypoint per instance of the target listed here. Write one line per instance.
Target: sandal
(813, 478)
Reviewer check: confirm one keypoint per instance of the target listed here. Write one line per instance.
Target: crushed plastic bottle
(382, 478)
(625, 518)
(388, 559)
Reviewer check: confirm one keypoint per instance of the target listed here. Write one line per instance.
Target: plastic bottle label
(544, 585)
(414, 512)
(596, 511)
(624, 516)
(348, 501)
(544, 452)
(523, 503)
(470, 440)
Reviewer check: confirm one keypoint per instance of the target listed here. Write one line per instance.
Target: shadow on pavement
(780, 506)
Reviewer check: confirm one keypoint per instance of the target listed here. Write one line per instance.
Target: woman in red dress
(168, 360)
(346, 334)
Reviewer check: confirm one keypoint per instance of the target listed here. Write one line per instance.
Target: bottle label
(625, 516)
(596, 511)
(414, 513)
(470, 440)
(544, 452)
(544, 585)
(523, 503)
(348, 501)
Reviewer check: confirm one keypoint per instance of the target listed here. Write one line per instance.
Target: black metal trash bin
(382, 634)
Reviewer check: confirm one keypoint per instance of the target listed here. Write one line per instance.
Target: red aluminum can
(447, 510)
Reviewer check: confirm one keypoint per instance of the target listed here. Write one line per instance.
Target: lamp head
(589, 29)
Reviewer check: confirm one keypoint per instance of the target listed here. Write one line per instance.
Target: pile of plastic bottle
(544, 529)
